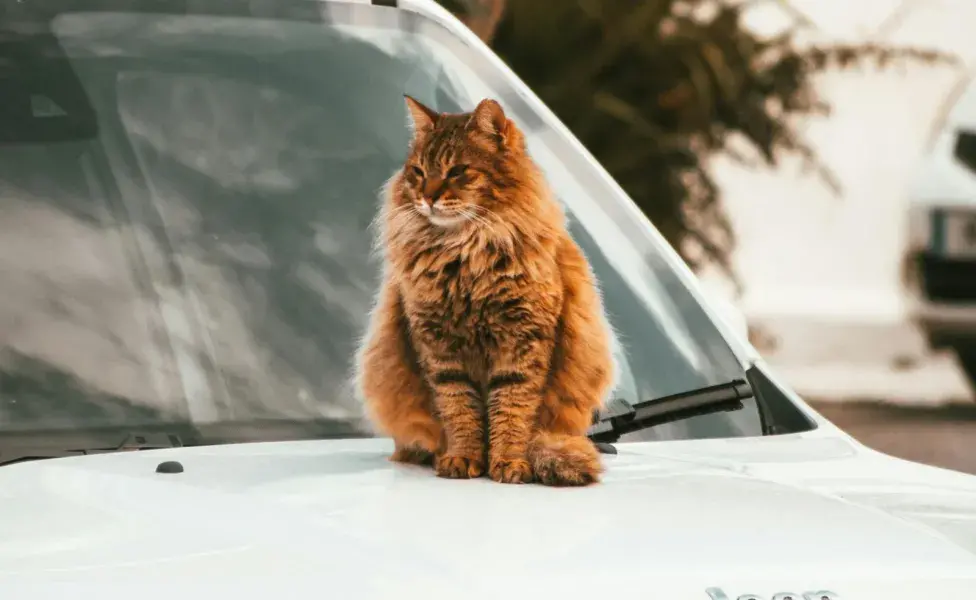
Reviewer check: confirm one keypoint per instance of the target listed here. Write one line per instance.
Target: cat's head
(462, 168)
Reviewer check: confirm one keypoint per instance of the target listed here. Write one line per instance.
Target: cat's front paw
(511, 471)
(453, 466)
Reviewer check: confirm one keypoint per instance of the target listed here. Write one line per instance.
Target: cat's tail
(560, 459)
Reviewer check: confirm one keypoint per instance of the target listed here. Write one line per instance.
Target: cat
(487, 346)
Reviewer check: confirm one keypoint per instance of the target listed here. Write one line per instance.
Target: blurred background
(813, 161)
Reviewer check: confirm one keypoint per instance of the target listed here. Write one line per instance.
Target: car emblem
(716, 593)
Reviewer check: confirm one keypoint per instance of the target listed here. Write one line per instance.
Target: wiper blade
(86, 443)
(32, 445)
(620, 417)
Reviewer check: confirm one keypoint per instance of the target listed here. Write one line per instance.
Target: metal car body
(173, 420)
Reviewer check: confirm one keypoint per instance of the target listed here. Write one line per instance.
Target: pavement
(832, 360)
(941, 436)
(880, 383)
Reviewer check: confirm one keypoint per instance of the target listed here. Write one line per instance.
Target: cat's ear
(421, 116)
(489, 117)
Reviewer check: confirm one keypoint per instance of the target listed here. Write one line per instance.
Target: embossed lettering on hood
(716, 593)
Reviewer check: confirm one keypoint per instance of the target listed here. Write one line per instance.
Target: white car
(186, 190)
(940, 263)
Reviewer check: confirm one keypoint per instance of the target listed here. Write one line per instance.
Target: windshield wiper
(33, 445)
(18, 447)
(78, 444)
(620, 417)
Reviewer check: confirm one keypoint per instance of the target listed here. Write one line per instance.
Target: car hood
(791, 513)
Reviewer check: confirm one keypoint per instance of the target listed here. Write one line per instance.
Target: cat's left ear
(490, 118)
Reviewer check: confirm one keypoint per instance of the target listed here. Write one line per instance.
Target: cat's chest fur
(465, 300)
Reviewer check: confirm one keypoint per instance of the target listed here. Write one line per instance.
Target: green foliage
(653, 88)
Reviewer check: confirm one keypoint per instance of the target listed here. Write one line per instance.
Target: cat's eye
(456, 171)
(417, 170)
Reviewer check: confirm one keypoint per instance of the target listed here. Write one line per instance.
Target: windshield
(195, 248)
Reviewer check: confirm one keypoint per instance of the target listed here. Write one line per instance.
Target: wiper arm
(32, 445)
(621, 417)
(79, 444)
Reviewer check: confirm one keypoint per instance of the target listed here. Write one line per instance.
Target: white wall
(804, 251)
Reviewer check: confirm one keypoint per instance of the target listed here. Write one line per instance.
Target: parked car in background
(186, 193)
(940, 262)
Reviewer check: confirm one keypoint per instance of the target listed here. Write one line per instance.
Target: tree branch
(483, 16)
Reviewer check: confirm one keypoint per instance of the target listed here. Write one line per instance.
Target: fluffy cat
(487, 345)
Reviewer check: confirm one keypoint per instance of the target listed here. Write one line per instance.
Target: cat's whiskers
(394, 215)
(470, 215)
(402, 217)
(405, 209)
(486, 216)
(495, 222)
(487, 213)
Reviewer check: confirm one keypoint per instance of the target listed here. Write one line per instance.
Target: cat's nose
(431, 190)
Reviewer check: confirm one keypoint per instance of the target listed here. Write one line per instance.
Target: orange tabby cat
(488, 343)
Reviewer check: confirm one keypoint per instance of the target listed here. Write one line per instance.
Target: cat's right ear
(422, 117)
